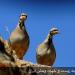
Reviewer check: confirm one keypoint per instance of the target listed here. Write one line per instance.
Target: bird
(45, 52)
(19, 38)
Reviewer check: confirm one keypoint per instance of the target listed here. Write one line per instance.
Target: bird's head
(54, 31)
(23, 17)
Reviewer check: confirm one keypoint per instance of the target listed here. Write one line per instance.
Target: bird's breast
(18, 35)
(42, 50)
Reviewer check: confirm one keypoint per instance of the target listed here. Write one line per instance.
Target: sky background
(42, 16)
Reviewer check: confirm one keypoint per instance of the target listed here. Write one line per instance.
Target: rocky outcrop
(26, 68)
(11, 65)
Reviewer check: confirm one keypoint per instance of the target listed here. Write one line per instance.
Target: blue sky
(42, 16)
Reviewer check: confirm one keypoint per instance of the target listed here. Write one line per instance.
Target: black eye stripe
(54, 30)
(23, 15)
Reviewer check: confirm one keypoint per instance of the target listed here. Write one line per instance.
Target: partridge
(45, 53)
(19, 38)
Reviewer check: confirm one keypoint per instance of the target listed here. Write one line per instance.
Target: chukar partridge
(45, 53)
(19, 39)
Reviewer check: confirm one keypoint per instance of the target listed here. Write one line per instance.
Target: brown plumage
(19, 39)
(45, 53)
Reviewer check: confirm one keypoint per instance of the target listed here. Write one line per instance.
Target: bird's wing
(42, 49)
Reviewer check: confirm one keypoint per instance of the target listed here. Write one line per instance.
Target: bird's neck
(48, 39)
(21, 25)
